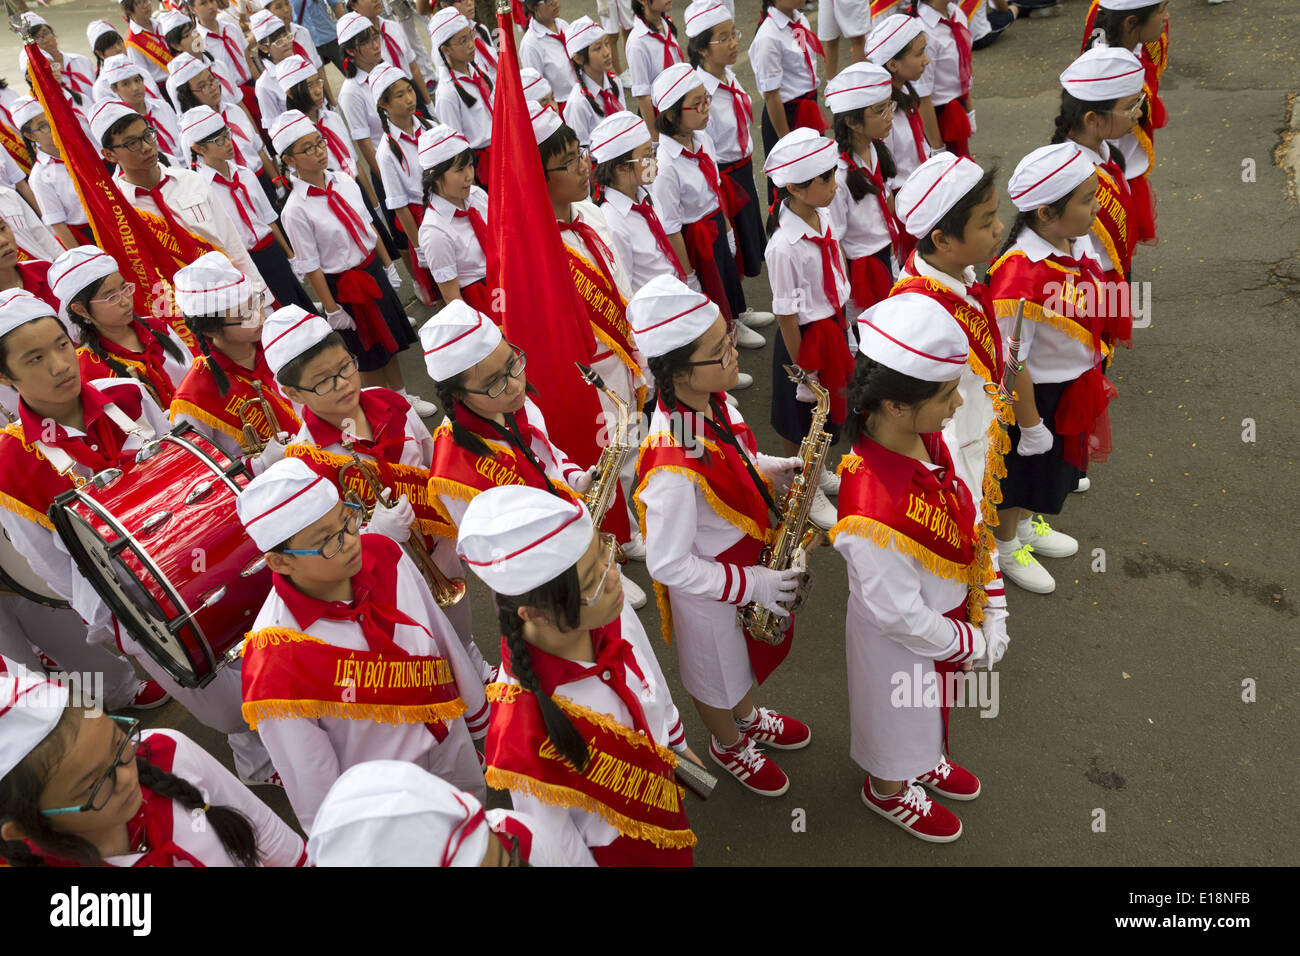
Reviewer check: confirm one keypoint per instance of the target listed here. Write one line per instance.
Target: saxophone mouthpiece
(589, 375)
(796, 374)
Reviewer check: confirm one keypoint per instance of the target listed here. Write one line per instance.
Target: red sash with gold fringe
(151, 45)
(605, 309)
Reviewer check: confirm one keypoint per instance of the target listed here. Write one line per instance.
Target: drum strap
(140, 431)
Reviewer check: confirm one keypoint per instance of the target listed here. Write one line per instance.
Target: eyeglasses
(702, 107)
(332, 383)
(136, 143)
(574, 165)
(254, 318)
(217, 139)
(124, 295)
(887, 108)
(107, 784)
(1134, 111)
(207, 84)
(730, 37)
(497, 386)
(729, 356)
(318, 145)
(370, 41)
(610, 545)
(39, 128)
(465, 41)
(334, 543)
(280, 41)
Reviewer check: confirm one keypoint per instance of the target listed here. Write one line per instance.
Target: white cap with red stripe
(535, 85)
(617, 135)
(1047, 174)
(914, 335)
(283, 500)
(582, 33)
(76, 268)
(30, 709)
(545, 121)
(891, 36)
(211, 285)
(1104, 73)
(437, 144)
(293, 70)
(457, 338)
(799, 156)
(445, 24)
(703, 15)
(666, 314)
(18, 307)
(859, 85)
(517, 538)
(289, 127)
(933, 188)
(288, 332)
(672, 85)
(264, 23)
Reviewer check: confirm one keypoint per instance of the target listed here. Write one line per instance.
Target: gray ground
(1123, 691)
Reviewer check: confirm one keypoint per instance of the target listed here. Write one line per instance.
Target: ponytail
(461, 435)
(774, 211)
(1069, 119)
(202, 326)
(466, 98)
(857, 181)
(230, 825)
(388, 133)
(578, 65)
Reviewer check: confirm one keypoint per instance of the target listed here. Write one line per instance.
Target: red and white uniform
(245, 202)
(152, 69)
(227, 44)
(339, 143)
(649, 53)
(449, 246)
(359, 110)
(795, 270)
(731, 142)
(634, 240)
(781, 61)
(472, 122)
(55, 192)
(320, 240)
(545, 52)
(579, 115)
(858, 224)
(942, 77)
(34, 237)
(682, 194)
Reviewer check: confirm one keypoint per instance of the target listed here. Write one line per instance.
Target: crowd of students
(967, 407)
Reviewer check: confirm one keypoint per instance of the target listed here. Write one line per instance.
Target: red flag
(528, 268)
(968, 7)
(118, 226)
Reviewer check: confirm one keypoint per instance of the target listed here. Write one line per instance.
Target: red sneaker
(916, 813)
(951, 781)
(747, 764)
(148, 696)
(777, 730)
(272, 781)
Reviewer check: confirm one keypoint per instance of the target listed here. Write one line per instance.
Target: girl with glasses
(348, 603)
(129, 83)
(72, 69)
(898, 43)
(50, 181)
(707, 503)
(465, 103)
(598, 94)
(274, 45)
(179, 31)
(485, 49)
(578, 680)
(81, 788)
(652, 47)
(115, 342)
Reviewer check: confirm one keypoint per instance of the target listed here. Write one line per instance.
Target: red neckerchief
(832, 265)
(481, 47)
(336, 146)
(709, 169)
(394, 50)
(237, 133)
(892, 222)
(386, 412)
(522, 428)
(152, 356)
(189, 248)
(596, 247)
(345, 214)
(480, 83)
(235, 53)
(743, 107)
(403, 137)
(807, 41)
(100, 429)
(237, 189)
(613, 657)
(961, 36)
(164, 141)
(476, 223)
(647, 212)
(918, 131)
(613, 102)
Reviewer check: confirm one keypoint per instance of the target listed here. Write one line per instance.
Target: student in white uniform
(485, 48)
(542, 46)
(464, 101)
(399, 169)
(618, 20)
(598, 94)
(453, 235)
(51, 184)
(206, 136)
(344, 599)
(578, 680)
(862, 217)
(705, 518)
(73, 70)
(652, 47)
(274, 45)
(850, 19)
(924, 596)
(95, 427)
(186, 44)
(225, 42)
(126, 82)
(948, 45)
(393, 813)
(104, 41)
(61, 807)
(898, 43)
(537, 89)
(396, 48)
(144, 42)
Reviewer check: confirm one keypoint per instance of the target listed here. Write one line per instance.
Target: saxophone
(253, 443)
(446, 591)
(795, 536)
(612, 457)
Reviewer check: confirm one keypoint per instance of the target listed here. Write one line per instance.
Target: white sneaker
(626, 77)
(1022, 569)
(634, 550)
(756, 320)
(747, 338)
(422, 408)
(822, 513)
(731, 400)
(632, 592)
(829, 482)
(743, 381)
(1045, 541)
(1084, 484)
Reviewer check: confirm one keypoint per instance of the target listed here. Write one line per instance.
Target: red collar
(385, 410)
(92, 406)
(897, 472)
(377, 577)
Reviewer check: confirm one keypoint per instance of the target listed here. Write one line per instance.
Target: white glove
(272, 453)
(602, 8)
(770, 589)
(299, 268)
(970, 115)
(580, 481)
(780, 471)
(394, 522)
(1034, 440)
(731, 240)
(394, 279)
(692, 280)
(340, 320)
(803, 393)
(995, 642)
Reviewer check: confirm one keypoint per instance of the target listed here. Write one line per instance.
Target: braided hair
(1110, 23)
(462, 436)
(562, 598)
(783, 200)
(204, 326)
(429, 181)
(467, 99)
(579, 61)
(873, 384)
(383, 120)
(638, 8)
(1072, 113)
(859, 183)
(21, 788)
(90, 335)
(664, 369)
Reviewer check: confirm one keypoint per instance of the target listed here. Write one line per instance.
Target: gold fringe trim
(179, 406)
(1145, 141)
(501, 692)
(1102, 236)
(439, 485)
(257, 710)
(850, 463)
(884, 536)
(559, 796)
(1006, 307)
(9, 503)
(618, 350)
(270, 636)
(661, 592)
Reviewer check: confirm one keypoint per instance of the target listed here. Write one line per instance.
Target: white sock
(747, 722)
(736, 746)
(1025, 529)
(1007, 548)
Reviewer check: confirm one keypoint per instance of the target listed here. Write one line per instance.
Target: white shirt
(302, 38)
(578, 112)
(942, 76)
(167, 124)
(359, 109)
(311, 753)
(682, 194)
(319, 239)
(549, 848)
(778, 60)
(246, 137)
(55, 193)
(1049, 354)
(902, 143)
(252, 200)
(722, 127)
(32, 235)
(634, 243)
(858, 223)
(347, 163)
(401, 177)
(661, 717)
(236, 63)
(155, 72)
(544, 52)
(473, 122)
(447, 242)
(645, 54)
(277, 844)
(794, 270)
(270, 97)
(393, 38)
(11, 174)
(193, 203)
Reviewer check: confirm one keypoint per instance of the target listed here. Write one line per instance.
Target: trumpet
(446, 591)
(253, 442)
